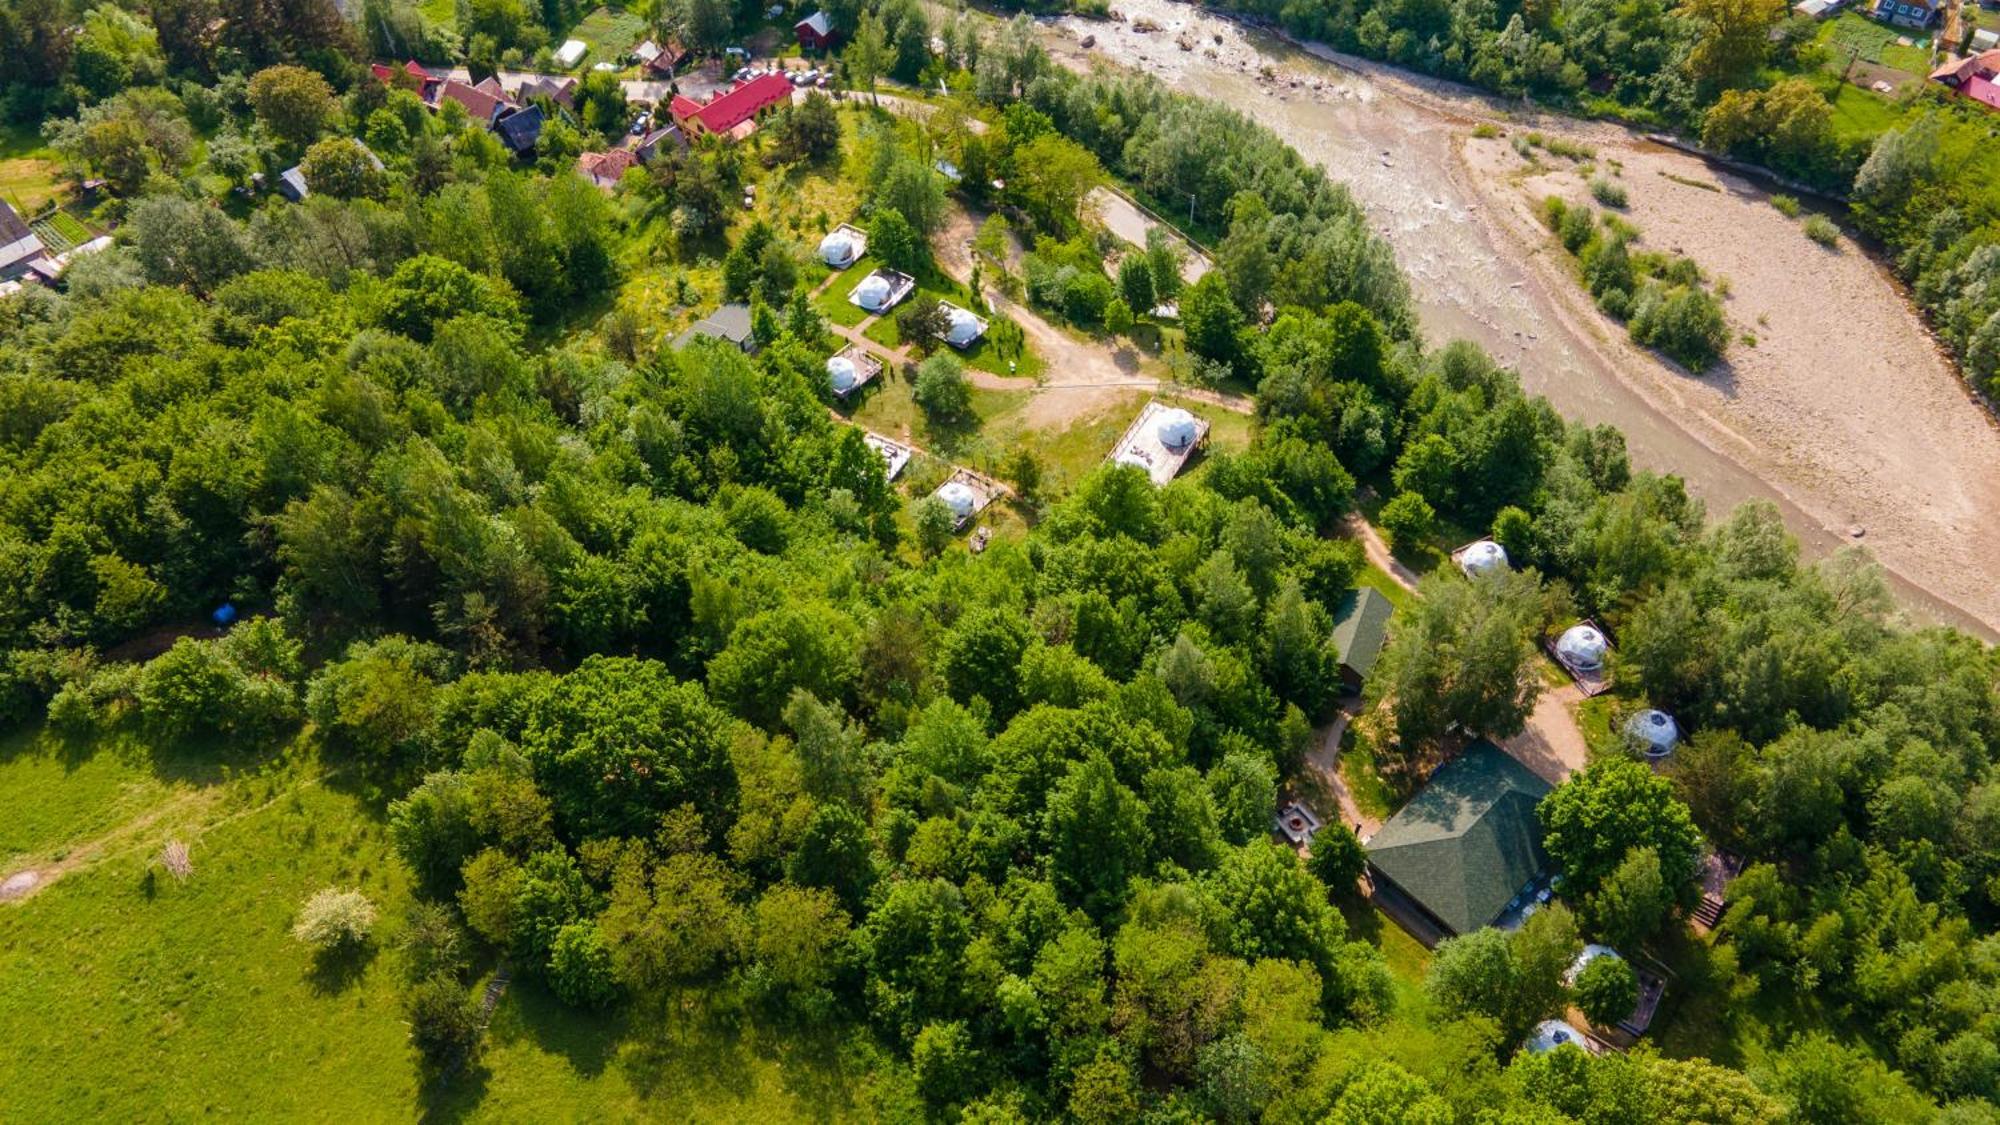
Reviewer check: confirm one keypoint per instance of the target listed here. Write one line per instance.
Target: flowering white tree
(333, 917)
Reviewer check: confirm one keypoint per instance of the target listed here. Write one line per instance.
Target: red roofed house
(484, 106)
(605, 169)
(420, 79)
(1973, 77)
(815, 32)
(727, 111)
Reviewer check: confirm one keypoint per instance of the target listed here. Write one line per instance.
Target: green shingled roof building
(1469, 842)
(1360, 628)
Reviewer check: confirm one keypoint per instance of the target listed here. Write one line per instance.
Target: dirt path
(1551, 744)
(1323, 760)
(1843, 414)
(187, 806)
(1090, 374)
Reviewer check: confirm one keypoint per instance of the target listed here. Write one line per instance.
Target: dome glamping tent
(839, 249)
(1654, 732)
(963, 329)
(1582, 647)
(959, 497)
(1550, 1034)
(1590, 953)
(842, 375)
(873, 292)
(1176, 429)
(1483, 557)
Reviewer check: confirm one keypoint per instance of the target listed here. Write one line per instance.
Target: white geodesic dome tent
(1176, 429)
(959, 497)
(963, 329)
(1483, 557)
(1654, 731)
(842, 374)
(1550, 1034)
(838, 249)
(873, 292)
(1582, 647)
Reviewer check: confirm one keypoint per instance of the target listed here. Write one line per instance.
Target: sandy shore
(1843, 413)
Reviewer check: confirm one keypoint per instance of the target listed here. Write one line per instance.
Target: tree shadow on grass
(588, 1039)
(336, 970)
(454, 1096)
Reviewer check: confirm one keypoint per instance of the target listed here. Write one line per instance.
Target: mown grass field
(127, 997)
(29, 169)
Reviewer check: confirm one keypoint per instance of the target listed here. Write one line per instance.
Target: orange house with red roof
(726, 111)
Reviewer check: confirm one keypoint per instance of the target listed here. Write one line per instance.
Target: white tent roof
(959, 497)
(571, 52)
(964, 328)
(1176, 429)
(1583, 647)
(1655, 730)
(1550, 1034)
(872, 291)
(1590, 953)
(1482, 557)
(837, 249)
(842, 374)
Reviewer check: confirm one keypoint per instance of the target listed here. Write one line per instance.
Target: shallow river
(1395, 141)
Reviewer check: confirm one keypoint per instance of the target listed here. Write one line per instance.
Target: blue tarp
(224, 613)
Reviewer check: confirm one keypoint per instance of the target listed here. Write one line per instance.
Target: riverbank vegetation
(1662, 298)
(624, 671)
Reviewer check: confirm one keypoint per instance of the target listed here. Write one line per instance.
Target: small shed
(571, 53)
(815, 32)
(729, 323)
(1360, 629)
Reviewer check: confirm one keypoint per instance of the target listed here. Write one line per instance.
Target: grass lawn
(609, 32)
(443, 13)
(28, 169)
(127, 997)
(1859, 113)
(1364, 780)
(1378, 579)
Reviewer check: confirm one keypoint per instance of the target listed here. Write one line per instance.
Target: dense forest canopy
(670, 700)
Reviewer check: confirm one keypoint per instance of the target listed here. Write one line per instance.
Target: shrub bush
(1608, 193)
(1408, 520)
(1786, 205)
(333, 918)
(1821, 229)
(1683, 322)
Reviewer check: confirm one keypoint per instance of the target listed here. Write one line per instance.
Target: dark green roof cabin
(1360, 628)
(1467, 844)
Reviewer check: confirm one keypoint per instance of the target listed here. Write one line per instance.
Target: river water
(1397, 143)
